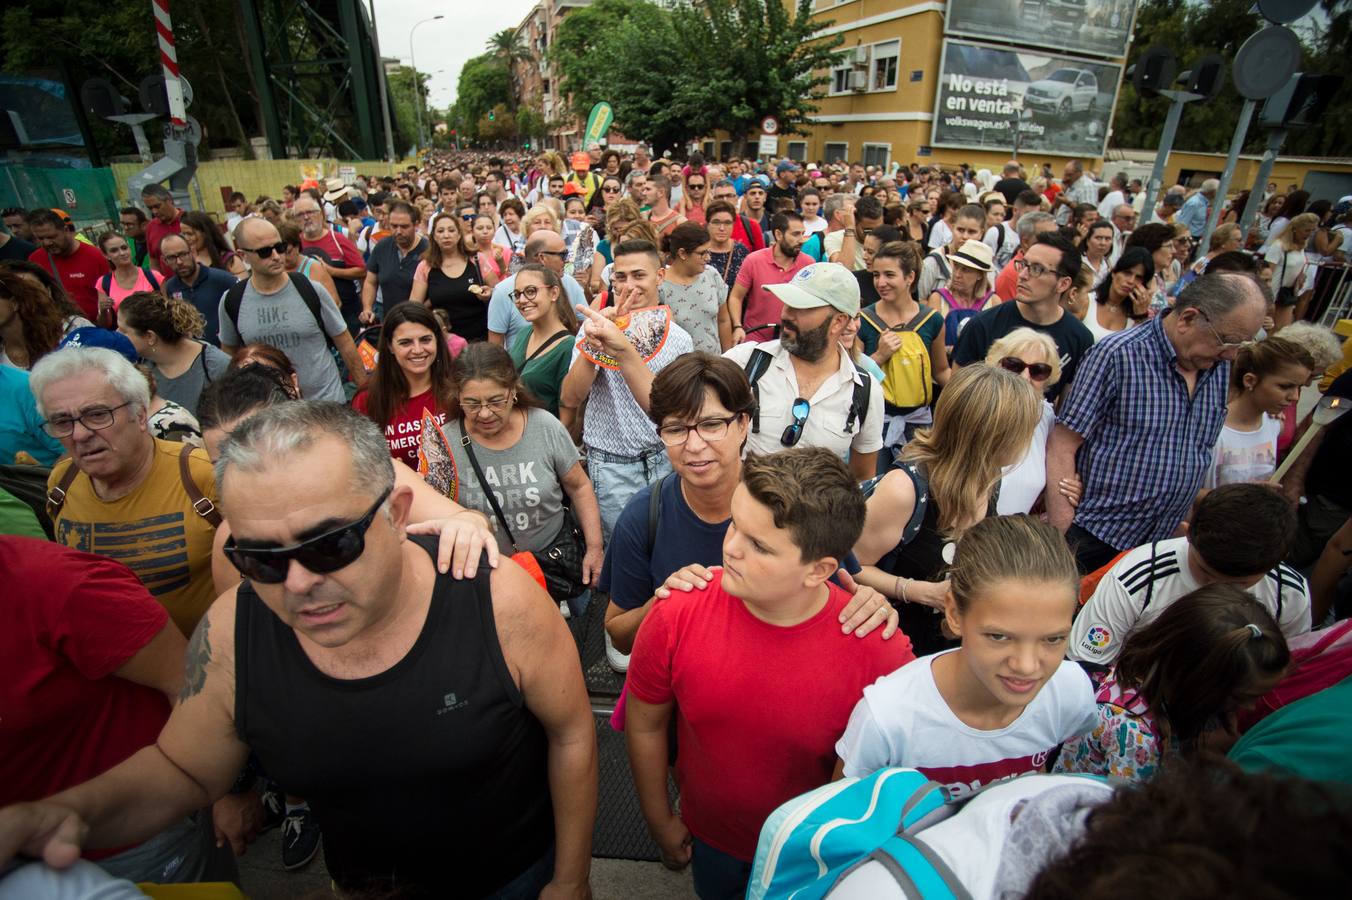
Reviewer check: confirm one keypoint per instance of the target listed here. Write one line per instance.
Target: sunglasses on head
(794, 433)
(1036, 371)
(321, 554)
(265, 252)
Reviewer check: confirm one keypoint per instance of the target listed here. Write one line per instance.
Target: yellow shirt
(154, 531)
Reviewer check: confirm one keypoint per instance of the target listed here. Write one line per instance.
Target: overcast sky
(442, 48)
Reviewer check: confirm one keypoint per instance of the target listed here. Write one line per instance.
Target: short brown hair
(811, 493)
(678, 390)
(720, 206)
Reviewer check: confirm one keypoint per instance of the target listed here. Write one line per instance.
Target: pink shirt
(760, 306)
(119, 293)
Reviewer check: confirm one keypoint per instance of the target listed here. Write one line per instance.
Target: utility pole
(384, 88)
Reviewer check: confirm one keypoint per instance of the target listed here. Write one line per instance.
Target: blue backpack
(810, 842)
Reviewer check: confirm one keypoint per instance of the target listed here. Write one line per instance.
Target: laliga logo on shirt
(1098, 638)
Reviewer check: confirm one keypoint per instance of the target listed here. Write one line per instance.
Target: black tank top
(468, 314)
(430, 778)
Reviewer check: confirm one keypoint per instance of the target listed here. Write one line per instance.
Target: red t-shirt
(79, 274)
(404, 431)
(1007, 282)
(64, 716)
(758, 707)
(157, 231)
(760, 307)
(337, 247)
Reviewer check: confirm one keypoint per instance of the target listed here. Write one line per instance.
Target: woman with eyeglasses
(725, 254)
(126, 278)
(543, 352)
(602, 201)
(517, 464)
(448, 278)
(944, 482)
(694, 290)
(1031, 355)
(208, 244)
(413, 376)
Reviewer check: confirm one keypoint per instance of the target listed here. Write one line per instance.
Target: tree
(507, 46)
(585, 41)
(529, 124)
(484, 83)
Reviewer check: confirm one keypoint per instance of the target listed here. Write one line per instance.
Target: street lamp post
(417, 91)
(384, 89)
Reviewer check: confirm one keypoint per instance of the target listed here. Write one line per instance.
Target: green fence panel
(88, 195)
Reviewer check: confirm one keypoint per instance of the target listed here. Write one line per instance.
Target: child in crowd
(998, 705)
(754, 668)
(1178, 683)
(1265, 380)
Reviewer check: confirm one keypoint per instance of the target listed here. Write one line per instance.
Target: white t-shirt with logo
(903, 720)
(1244, 456)
(1143, 584)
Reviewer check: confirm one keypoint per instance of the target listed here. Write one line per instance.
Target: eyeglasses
(561, 254)
(468, 217)
(695, 185)
(1034, 270)
(610, 190)
(527, 293)
(496, 404)
(170, 257)
(96, 419)
(794, 432)
(321, 554)
(265, 252)
(1036, 371)
(1225, 345)
(715, 429)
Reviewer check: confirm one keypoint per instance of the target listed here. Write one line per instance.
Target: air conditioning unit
(859, 81)
(861, 55)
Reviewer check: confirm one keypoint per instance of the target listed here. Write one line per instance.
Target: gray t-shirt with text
(284, 321)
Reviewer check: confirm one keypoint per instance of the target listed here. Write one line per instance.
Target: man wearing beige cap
(809, 393)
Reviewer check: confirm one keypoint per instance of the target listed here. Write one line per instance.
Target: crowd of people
(993, 479)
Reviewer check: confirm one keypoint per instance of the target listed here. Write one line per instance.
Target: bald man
(283, 309)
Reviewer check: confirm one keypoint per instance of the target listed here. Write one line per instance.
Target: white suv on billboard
(1063, 92)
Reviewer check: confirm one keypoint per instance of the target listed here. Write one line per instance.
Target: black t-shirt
(774, 192)
(1072, 339)
(1328, 475)
(1011, 188)
(17, 248)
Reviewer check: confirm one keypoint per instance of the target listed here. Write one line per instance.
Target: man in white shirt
(1116, 196)
(808, 391)
(1123, 219)
(1239, 535)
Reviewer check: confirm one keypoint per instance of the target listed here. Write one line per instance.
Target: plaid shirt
(1147, 443)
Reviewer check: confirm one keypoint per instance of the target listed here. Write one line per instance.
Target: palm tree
(507, 46)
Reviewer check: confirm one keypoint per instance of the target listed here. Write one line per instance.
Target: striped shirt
(1147, 443)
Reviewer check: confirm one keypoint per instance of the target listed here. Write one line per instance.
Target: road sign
(770, 125)
(68, 196)
(769, 145)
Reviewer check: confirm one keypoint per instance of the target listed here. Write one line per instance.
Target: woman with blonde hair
(1286, 254)
(944, 482)
(1031, 355)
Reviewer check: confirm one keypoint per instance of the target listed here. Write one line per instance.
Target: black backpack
(235, 297)
(29, 484)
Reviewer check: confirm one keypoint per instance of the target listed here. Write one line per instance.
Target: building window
(885, 58)
(877, 154)
(840, 79)
(724, 151)
(708, 150)
(544, 86)
(798, 151)
(835, 152)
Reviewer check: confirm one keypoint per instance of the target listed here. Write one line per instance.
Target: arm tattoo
(199, 654)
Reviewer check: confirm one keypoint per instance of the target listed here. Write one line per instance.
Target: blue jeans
(717, 875)
(617, 478)
(577, 606)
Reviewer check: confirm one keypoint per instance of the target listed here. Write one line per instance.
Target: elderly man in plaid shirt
(1143, 415)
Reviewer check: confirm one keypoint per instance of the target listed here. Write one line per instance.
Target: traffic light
(1153, 71)
(1301, 103)
(492, 115)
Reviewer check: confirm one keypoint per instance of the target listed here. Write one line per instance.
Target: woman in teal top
(543, 353)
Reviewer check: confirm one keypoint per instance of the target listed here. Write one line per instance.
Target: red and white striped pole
(164, 28)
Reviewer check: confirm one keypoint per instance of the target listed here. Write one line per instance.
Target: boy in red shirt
(755, 669)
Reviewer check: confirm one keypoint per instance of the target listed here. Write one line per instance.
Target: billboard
(1101, 27)
(1058, 104)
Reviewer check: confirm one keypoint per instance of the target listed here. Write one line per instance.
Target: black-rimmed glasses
(96, 419)
(710, 430)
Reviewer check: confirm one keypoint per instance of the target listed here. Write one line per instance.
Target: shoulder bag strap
(483, 484)
(56, 496)
(201, 504)
(549, 342)
(727, 267)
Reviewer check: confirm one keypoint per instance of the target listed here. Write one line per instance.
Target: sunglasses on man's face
(324, 553)
(265, 252)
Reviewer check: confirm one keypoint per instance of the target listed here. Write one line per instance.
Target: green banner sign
(598, 123)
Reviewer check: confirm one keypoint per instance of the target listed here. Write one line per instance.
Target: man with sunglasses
(439, 728)
(1141, 422)
(273, 310)
(505, 321)
(128, 500)
(1046, 272)
(808, 390)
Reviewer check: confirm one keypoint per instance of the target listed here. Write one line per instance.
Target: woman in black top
(944, 483)
(448, 278)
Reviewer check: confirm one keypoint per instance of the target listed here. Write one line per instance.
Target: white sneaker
(617, 660)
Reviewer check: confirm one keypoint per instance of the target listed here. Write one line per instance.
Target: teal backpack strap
(918, 870)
